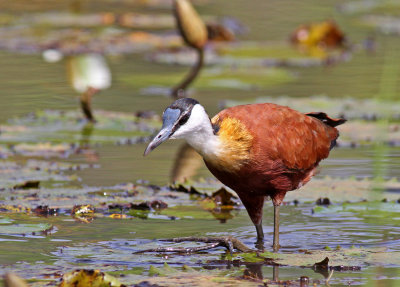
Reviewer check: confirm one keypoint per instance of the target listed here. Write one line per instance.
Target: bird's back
(279, 147)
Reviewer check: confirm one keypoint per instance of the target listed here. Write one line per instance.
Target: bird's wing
(282, 135)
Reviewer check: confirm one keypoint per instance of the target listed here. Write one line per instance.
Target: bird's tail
(327, 120)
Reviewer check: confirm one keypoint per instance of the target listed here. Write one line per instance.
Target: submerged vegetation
(79, 205)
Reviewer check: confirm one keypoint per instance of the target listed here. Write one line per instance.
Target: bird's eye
(183, 119)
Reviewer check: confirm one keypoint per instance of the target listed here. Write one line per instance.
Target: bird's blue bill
(170, 117)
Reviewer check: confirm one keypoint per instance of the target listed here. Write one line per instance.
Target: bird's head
(181, 119)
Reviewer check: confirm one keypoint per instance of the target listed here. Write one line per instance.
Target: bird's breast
(234, 145)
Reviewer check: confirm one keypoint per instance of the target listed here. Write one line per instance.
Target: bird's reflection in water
(275, 273)
(187, 163)
(255, 271)
(84, 143)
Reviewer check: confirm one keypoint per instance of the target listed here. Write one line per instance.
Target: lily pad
(5, 220)
(24, 228)
(343, 257)
(346, 189)
(217, 78)
(374, 211)
(383, 23)
(61, 133)
(14, 175)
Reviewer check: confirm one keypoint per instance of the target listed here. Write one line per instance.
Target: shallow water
(27, 84)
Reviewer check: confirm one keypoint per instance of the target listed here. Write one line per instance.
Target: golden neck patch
(235, 141)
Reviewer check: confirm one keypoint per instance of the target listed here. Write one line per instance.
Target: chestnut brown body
(285, 148)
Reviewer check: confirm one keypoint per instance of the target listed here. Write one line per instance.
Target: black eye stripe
(184, 119)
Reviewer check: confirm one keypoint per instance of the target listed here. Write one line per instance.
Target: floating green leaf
(24, 228)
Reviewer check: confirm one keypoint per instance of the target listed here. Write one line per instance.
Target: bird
(258, 150)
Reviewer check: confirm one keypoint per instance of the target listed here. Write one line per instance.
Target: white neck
(198, 133)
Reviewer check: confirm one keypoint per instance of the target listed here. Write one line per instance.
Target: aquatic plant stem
(276, 246)
(179, 90)
(86, 103)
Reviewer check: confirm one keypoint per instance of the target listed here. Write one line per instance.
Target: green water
(28, 84)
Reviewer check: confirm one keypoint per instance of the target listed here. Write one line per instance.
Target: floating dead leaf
(117, 216)
(140, 206)
(83, 210)
(84, 278)
(30, 184)
(220, 204)
(44, 210)
(83, 213)
(223, 198)
(219, 33)
(316, 38)
(14, 208)
(182, 188)
(323, 201)
(158, 204)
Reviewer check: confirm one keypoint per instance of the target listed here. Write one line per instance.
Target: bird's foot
(275, 247)
(260, 245)
(229, 242)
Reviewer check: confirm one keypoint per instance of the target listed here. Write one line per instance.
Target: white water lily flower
(89, 70)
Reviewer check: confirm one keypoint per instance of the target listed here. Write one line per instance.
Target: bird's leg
(254, 206)
(179, 90)
(276, 246)
(86, 100)
(260, 236)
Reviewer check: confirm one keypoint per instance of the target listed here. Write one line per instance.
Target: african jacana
(257, 150)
